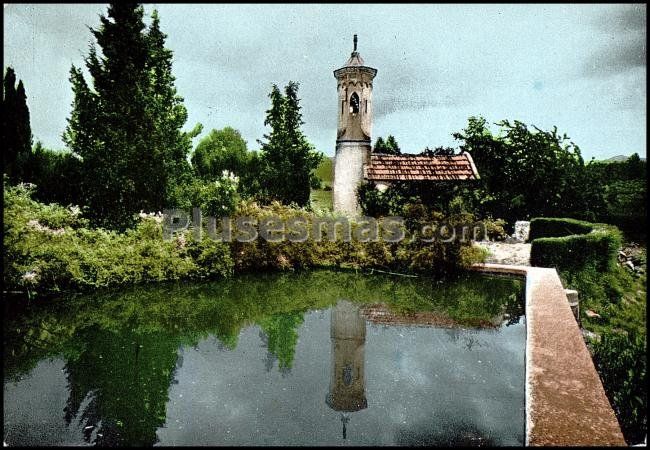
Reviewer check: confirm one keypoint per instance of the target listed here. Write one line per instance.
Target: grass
(321, 199)
(325, 171)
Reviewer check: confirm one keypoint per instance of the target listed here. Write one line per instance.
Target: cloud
(626, 48)
(626, 18)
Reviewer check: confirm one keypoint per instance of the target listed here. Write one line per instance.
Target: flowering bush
(215, 198)
(50, 248)
(407, 255)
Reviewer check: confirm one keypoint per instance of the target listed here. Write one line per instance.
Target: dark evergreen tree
(387, 147)
(438, 151)
(168, 114)
(55, 174)
(288, 159)
(16, 130)
(127, 127)
(379, 145)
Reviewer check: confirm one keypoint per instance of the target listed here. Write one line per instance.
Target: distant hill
(325, 171)
(619, 158)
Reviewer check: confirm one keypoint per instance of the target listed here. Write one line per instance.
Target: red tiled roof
(410, 167)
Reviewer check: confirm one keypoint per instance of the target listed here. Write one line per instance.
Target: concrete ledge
(566, 404)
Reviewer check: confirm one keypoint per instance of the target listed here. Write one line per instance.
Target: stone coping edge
(566, 403)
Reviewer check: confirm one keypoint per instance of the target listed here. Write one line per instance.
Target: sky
(579, 67)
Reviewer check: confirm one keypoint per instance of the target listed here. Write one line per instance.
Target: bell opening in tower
(354, 103)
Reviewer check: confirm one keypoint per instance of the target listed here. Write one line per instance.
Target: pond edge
(565, 399)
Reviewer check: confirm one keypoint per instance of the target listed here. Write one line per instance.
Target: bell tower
(347, 392)
(354, 85)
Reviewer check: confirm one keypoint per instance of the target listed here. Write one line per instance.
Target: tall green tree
(126, 126)
(221, 150)
(526, 172)
(388, 146)
(288, 159)
(55, 174)
(16, 130)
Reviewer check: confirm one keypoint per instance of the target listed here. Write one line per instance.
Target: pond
(313, 358)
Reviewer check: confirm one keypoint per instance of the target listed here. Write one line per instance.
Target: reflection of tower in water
(347, 383)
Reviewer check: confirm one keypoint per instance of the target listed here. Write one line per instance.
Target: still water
(315, 358)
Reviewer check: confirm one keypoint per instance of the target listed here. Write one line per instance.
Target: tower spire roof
(355, 58)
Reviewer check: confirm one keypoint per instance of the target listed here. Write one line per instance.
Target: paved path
(504, 253)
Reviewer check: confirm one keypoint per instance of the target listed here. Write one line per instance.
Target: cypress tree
(126, 127)
(16, 130)
(168, 114)
(388, 147)
(289, 158)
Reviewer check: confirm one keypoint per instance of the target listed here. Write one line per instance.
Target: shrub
(621, 362)
(215, 198)
(492, 229)
(597, 249)
(48, 248)
(541, 227)
(40, 257)
(413, 255)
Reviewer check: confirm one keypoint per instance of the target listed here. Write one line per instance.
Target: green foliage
(55, 174)
(375, 203)
(625, 206)
(221, 150)
(288, 159)
(449, 197)
(598, 248)
(407, 255)
(325, 171)
(49, 248)
(621, 362)
(494, 230)
(439, 151)
(127, 126)
(516, 166)
(388, 147)
(557, 227)
(216, 198)
(321, 200)
(16, 130)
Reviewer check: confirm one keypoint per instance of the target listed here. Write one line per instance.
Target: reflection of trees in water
(121, 389)
(460, 435)
(270, 359)
(279, 333)
(470, 337)
(471, 341)
(126, 375)
(514, 308)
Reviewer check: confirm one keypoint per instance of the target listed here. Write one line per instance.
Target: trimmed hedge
(591, 245)
(541, 227)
